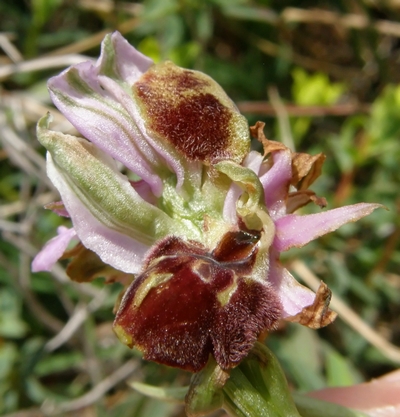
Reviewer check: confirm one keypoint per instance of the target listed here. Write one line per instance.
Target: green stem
(258, 387)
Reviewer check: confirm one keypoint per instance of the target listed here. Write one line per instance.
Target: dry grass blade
(75, 322)
(40, 64)
(283, 119)
(7, 46)
(94, 40)
(95, 394)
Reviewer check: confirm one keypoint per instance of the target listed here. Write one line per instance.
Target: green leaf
(300, 351)
(315, 89)
(339, 371)
(8, 356)
(245, 12)
(258, 387)
(11, 324)
(43, 10)
(150, 47)
(59, 362)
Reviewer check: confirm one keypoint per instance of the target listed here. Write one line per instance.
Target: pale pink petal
(100, 118)
(296, 231)
(144, 190)
(378, 398)
(294, 296)
(130, 63)
(53, 250)
(98, 106)
(276, 183)
(253, 161)
(116, 249)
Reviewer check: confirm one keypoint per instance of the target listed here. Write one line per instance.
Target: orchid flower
(164, 191)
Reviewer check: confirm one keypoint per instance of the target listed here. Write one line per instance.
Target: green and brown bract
(190, 303)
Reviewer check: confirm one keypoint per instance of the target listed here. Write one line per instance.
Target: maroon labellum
(189, 304)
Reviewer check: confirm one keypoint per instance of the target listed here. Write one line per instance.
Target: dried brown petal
(85, 266)
(318, 314)
(58, 208)
(257, 132)
(301, 198)
(306, 169)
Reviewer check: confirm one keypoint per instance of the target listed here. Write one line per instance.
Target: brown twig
(273, 49)
(93, 40)
(347, 21)
(267, 109)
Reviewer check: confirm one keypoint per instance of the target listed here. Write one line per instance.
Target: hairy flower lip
(187, 300)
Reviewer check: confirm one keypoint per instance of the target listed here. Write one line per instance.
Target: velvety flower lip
(196, 236)
(188, 304)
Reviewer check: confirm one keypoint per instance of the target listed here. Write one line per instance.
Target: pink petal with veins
(104, 121)
(293, 296)
(130, 63)
(378, 398)
(53, 249)
(276, 183)
(296, 231)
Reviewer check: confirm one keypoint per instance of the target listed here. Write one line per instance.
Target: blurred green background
(323, 75)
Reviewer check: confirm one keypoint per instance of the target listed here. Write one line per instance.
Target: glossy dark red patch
(236, 246)
(187, 306)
